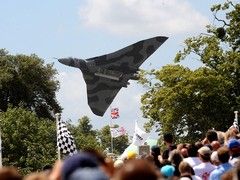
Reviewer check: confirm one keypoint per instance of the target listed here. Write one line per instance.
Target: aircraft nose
(66, 61)
(63, 61)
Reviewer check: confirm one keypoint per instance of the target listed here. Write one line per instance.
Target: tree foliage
(85, 127)
(84, 135)
(29, 142)
(27, 81)
(189, 102)
(88, 138)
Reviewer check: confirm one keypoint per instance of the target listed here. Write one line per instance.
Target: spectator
(215, 145)
(163, 159)
(234, 147)
(211, 136)
(192, 158)
(223, 156)
(168, 171)
(149, 158)
(138, 169)
(155, 152)
(82, 165)
(214, 158)
(118, 164)
(175, 158)
(168, 141)
(56, 171)
(199, 144)
(204, 169)
(233, 174)
(37, 176)
(9, 173)
(230, 134)
(186, 171)
(221, 137)
(234, 128)
(184, 152)
(88, 173)
(180, 146)
(105, 163)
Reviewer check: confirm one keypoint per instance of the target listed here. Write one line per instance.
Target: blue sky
(87, 28)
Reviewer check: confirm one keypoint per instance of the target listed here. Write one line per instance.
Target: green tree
(119, 143)
(85, 127)
(189, 102)
(84, 135)
(28, 142)
(27, 81)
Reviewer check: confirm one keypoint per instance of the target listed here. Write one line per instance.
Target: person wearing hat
(167, 171)
(84, 166)
(204, 169)
(234, 147)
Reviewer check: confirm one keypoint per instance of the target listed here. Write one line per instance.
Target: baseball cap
(79, 160)
(205, 151)
(167, 170)
(233, 143)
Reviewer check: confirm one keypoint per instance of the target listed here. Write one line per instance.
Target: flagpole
(58, 117)
(111, 125)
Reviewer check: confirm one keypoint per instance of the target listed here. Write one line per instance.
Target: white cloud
(139, 16)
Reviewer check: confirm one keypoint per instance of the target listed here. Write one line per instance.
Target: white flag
(116, 132)
(139, 136)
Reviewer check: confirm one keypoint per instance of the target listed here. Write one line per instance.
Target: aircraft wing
(100, 92)
(130, 57)
(106, 75)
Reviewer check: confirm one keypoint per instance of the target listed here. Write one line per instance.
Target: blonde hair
(230, 134)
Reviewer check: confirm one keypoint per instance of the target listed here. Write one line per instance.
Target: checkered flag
(65, 141)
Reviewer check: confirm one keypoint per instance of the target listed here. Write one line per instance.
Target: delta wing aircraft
(105, 75)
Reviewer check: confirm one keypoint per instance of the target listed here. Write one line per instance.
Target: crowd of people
(215, 157)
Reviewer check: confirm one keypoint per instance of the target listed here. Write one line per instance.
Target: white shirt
(234, 161)
(193, 178)
(192, 161)
(196, 178)
(203, 170)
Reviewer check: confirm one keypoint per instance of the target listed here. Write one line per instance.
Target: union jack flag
(116, 132)
(114, 113)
